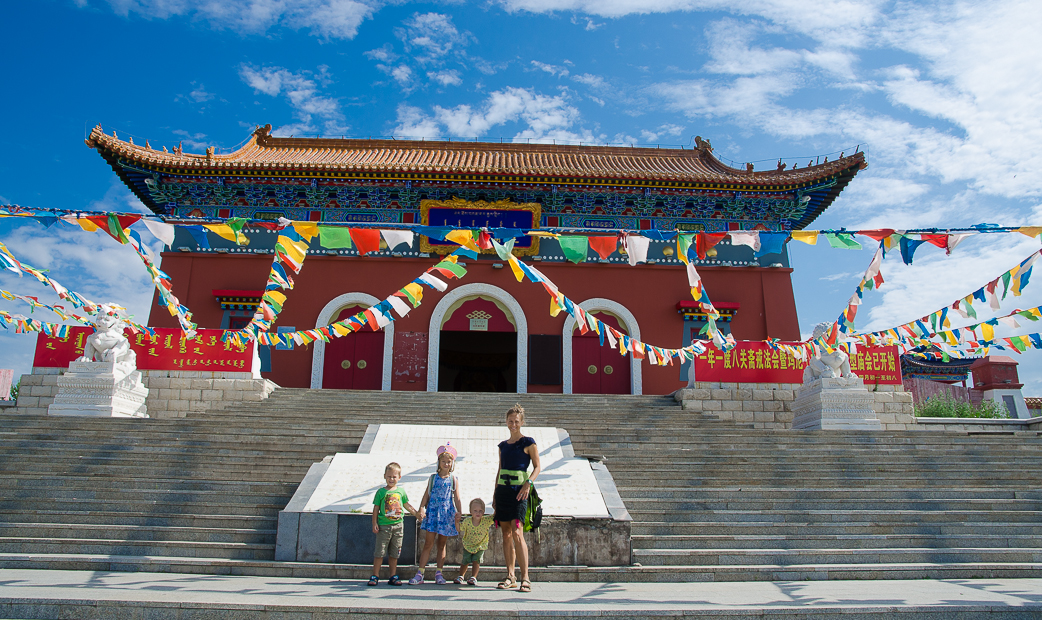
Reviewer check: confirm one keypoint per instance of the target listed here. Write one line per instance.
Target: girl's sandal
(526, 586)
(507, 583)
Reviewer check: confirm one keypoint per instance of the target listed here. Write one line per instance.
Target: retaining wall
(769, 405)
(171, 393)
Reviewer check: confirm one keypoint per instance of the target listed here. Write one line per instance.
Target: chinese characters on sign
(756, 362)
(169, 350)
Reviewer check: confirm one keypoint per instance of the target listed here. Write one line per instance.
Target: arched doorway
(607, 311)
(477, 351)
(506, 306)
(598, 369)
(355, 361)
(329, 314)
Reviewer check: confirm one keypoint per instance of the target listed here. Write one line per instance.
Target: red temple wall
(650, 292)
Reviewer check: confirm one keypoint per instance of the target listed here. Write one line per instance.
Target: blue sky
(946, 98)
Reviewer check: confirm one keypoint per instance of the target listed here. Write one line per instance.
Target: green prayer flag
(334, 236)
(683, 243)
(843, 241)
(504, 249)
(448, 265)
(574, 247)
(116, 230)
(1006, 277)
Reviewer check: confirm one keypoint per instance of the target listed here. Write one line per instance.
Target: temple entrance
(598, 369)
(478, 348)
(355, 361)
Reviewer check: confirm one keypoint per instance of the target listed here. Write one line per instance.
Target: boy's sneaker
(473, 581)
(417, 580)
(393, 581)
(439, 579)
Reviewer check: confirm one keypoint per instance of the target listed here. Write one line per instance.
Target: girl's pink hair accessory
(449, 449)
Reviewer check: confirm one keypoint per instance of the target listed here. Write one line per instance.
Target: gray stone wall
(171, 393)
(769, 405)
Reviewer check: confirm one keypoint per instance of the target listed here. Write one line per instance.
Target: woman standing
(510, 499)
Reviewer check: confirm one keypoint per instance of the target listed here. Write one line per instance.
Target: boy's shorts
(389, 541)
(470, 558)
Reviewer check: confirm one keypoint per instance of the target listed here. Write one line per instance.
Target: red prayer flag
(705, 242)
(878, 234)
(603, 246)
(484, 240)
(365, 239)
(940, 241)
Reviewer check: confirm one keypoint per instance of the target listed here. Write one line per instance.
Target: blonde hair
(519, 410)
(452, 467)
(479, 502)
(393, 467)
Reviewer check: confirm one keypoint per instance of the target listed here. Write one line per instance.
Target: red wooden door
(355, 361)
(598, 369)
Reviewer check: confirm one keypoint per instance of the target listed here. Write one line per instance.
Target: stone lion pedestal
(835, 403)
(102, 389)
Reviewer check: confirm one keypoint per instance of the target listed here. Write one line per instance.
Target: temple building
(487, 332)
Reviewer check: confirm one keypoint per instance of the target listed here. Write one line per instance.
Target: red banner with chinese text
(755, 362)
(169, 350)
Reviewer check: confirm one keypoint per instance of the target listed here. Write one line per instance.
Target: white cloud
(543, 118)
(384, 53)
(667, 130)
(846, 275)
(432, 36)
(593, 81)
(446, 78)
(302, 93)
(193, 141)
(329, 19)
(401, 74)
(554, 70)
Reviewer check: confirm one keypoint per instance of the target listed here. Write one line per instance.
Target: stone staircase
(711, 500)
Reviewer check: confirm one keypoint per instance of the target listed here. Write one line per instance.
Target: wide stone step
(767, 493)
(116, 505)
(782, 557)
(117, 547)
(81, 531)
(839, 516)
(266, 521)
(116, 493)
(641, 505)
(665, 574)
(831, 541)
(849, 528)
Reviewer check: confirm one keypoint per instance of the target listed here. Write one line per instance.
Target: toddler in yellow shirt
(475, 532)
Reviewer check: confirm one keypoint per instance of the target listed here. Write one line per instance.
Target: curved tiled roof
(262, 152)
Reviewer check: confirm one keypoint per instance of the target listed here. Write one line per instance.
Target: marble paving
(567, 485)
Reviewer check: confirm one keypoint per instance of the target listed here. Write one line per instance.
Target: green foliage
(14, 390)
(944, 406)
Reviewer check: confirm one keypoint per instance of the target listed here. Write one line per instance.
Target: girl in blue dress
(443, 513)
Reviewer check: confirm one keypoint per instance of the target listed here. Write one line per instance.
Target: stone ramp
(90, 596)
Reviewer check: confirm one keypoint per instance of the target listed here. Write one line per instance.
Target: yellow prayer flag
(415, 290)
(542, 233)
(464, 238)
(227, 232)
(555, 308)
(520, 275)
(810, 237)
(987, 331)
(86, 224)
(1031, 231)
(307, 230)
(340, 329)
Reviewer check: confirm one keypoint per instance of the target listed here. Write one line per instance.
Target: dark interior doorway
(477, 362)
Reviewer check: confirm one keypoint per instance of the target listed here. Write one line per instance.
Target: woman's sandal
(507, 583)
(526, 586)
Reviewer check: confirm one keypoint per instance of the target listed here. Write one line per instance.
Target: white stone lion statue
(107, 343)
(829, 365)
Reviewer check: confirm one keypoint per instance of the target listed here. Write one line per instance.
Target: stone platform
(100, 389)
(329, 518)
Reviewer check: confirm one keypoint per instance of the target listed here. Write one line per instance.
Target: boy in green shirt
(388, 524)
